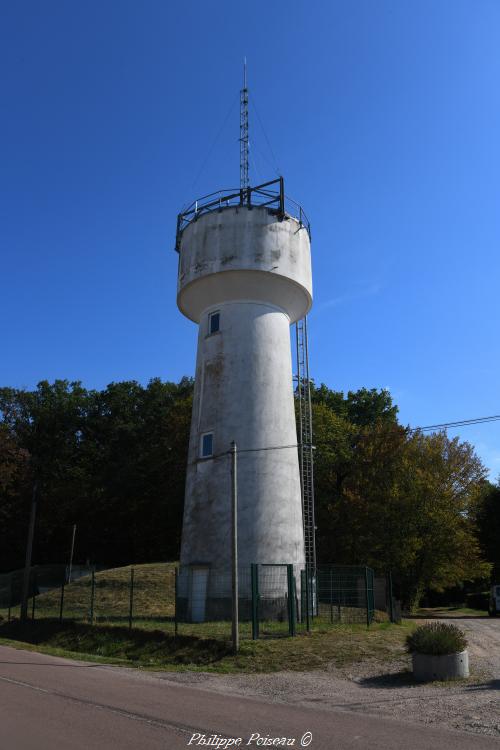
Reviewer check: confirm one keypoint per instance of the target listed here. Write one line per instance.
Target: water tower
(244, 277)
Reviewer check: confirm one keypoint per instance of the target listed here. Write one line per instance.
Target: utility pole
(234, 546)
(29, 551)
(71, 553)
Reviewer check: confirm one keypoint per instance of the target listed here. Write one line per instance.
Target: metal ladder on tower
(306, 457)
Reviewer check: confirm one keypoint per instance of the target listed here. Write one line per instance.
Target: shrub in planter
(437, 639)
(438, 652)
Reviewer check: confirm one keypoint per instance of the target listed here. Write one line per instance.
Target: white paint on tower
(244, 277)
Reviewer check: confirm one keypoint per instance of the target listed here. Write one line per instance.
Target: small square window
(207, 445)
(213, 322)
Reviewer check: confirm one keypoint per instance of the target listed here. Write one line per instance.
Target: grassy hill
(152, 642)
(153, 595)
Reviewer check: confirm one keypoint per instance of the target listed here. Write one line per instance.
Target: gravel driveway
(484, 642)
(473, 706)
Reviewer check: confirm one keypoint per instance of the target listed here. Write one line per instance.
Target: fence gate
(273, 600)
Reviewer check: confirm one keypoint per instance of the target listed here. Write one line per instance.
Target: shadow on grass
(151, 647)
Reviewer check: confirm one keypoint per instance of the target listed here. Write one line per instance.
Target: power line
(458, 423)
(441, 426)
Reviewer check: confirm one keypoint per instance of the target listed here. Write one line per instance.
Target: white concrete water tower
(244, 277)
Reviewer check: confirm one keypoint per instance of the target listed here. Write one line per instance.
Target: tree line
(113, 463)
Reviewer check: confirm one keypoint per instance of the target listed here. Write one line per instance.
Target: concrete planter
(427, 667)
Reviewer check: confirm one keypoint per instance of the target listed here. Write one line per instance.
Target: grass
(152, 644)
(153, 595)
(340, 645)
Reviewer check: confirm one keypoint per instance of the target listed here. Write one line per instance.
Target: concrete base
(427, 667)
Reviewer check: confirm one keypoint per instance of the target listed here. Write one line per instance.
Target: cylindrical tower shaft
(243, 392)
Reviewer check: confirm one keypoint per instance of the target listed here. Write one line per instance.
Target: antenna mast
(244, 181)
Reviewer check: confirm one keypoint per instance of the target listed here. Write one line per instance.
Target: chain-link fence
(273, 599)
(118, 596)
(344, 594)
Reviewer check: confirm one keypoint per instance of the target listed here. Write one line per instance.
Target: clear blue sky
(385, 121)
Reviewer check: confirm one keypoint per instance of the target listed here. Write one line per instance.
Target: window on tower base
(207, 445)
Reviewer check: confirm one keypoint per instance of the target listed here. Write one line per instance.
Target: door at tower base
(198, 592)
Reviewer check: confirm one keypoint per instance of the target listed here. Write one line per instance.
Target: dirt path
(473, 706)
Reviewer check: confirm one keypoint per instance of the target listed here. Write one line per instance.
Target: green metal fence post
(308, 601)
(33, 599)
(389, 596)
(131, 598)
(291, 601)
(331, 596)
(302, 594)
(366, 597)
(10, 597)
(176, 594)
(61, 603)
(254, 578)
(92, 592)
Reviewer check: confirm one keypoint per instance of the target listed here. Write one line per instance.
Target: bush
(436, 639)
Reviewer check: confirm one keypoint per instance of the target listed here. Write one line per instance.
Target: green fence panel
(344, 594)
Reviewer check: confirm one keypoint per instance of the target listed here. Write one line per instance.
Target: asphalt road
(48, 703)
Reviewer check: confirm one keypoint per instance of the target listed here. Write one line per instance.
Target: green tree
(395, 500)
(48, 423)
(364, 407)
(488, 520)
(441, 484)
(15, 485)
(136, 441)
(111, 461)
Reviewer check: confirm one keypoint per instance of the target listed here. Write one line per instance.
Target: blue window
(213, 322)
(207, 445)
